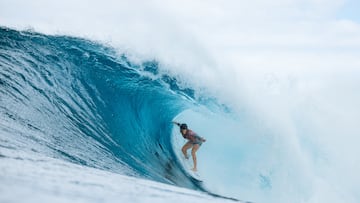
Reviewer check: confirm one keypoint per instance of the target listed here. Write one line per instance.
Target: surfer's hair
(183, 126)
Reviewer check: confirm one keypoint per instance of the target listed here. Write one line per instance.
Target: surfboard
(188, 164)
(195, 175)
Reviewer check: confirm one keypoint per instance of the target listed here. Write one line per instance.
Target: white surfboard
(188, 164)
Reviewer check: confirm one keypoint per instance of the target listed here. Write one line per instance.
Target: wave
(81, 101)
(86, 103)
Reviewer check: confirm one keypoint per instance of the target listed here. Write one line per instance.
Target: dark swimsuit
(193, 137)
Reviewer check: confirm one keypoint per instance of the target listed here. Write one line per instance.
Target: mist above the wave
(291, 65)
(251, 36)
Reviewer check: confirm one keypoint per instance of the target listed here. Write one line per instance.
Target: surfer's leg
(193, 154)
(184, 149)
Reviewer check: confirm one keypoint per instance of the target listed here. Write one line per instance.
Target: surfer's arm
(200, 138)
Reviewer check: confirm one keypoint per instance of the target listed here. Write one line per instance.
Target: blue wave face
(77, 100)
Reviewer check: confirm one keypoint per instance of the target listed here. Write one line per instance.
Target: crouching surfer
(194, 142)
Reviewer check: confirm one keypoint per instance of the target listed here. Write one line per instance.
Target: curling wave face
(80, 101)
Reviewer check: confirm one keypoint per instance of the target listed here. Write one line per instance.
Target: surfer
(194, 142)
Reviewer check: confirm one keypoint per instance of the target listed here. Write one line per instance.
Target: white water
(28, 177)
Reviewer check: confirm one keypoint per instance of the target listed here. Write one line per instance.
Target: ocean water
(83, 102)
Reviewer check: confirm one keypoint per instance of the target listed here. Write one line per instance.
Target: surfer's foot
(186, 156)
(194, 169)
